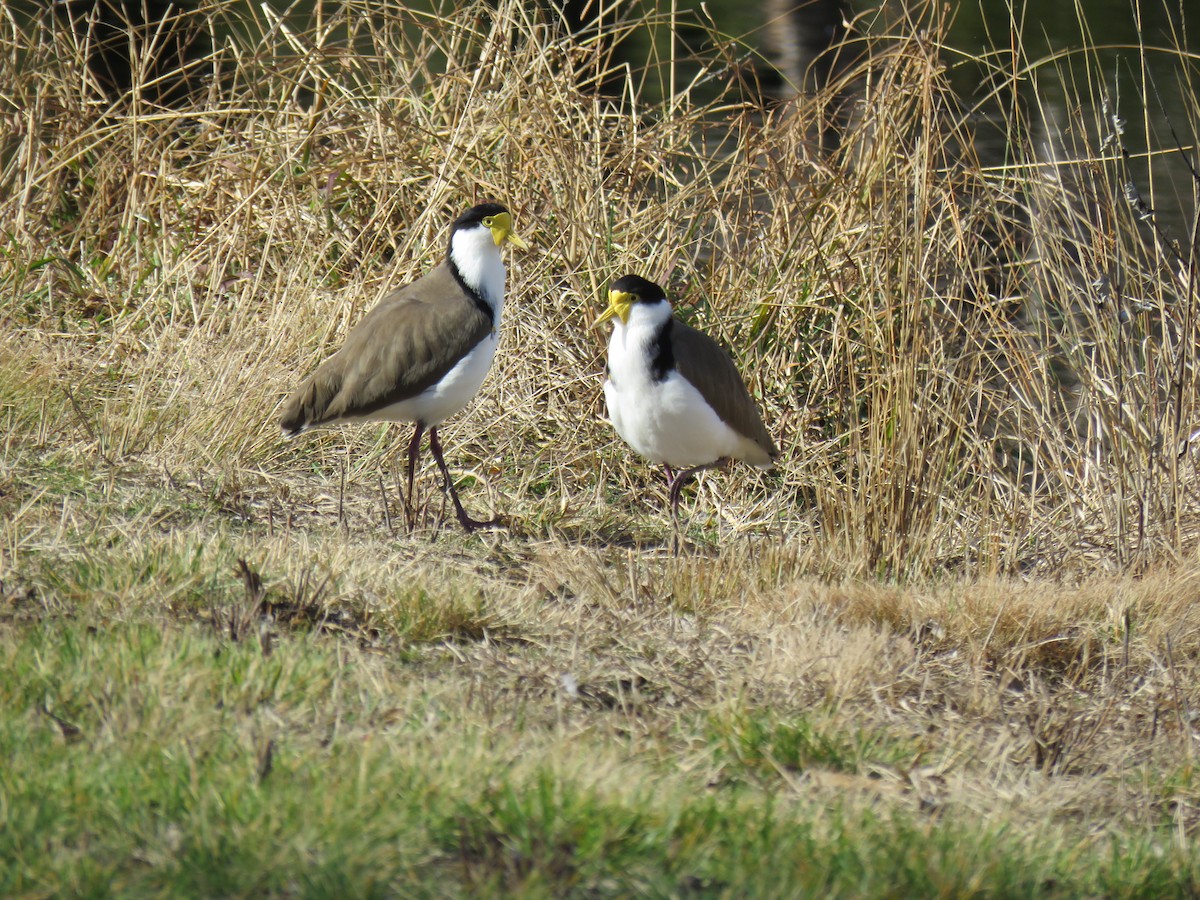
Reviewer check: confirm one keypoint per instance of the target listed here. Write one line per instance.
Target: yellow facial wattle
(619, 304)
(502, 230)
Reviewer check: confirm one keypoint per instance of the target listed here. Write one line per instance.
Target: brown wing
(704, 363)
(403, 346)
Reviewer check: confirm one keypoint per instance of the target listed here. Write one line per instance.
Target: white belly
(668, 422)
(437, 403)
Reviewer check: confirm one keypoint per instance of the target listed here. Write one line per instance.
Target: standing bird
(422, 353)
(673, 394)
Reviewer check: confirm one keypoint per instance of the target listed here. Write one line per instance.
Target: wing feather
(402, 347)
(704, 363)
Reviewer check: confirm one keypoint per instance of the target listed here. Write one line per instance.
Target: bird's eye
(487, 223)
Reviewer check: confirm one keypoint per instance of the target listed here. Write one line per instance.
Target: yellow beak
(502, 230)
(618, 305)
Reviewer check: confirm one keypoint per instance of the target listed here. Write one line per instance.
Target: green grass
(145, 757)
(198, 697)
(949, 646)
(760, 745)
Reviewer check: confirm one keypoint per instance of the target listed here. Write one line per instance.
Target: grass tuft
(949, 646)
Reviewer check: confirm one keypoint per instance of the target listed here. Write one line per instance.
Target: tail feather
(293, 421)
(309, 404)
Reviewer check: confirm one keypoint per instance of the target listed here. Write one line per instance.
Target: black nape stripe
(484, 306)
(664, 356)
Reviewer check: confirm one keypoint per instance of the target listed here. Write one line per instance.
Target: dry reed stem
(922, 329)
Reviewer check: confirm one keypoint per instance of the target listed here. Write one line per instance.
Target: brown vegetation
(977, 548)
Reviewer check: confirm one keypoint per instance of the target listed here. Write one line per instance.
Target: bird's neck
(475, 262)
(643, 349)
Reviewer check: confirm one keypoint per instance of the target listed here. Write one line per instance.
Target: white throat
(631, 346)
(645, 320)
(478, 260)
(648, 315)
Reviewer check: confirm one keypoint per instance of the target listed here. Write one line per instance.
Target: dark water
(1049, 31)
(1074, 58)
(1080, 63)
(1133, 59)
(1126, 51)
(1131, 54)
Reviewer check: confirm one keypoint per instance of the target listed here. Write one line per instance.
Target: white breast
(665, 421)
(481, 266)
(440, 401)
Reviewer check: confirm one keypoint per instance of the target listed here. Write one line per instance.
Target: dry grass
(968, 588)
(950, 387)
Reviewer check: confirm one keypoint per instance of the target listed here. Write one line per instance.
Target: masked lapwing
(422, 353)
(673, 394)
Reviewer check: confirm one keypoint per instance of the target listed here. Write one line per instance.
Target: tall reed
(971, 366)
